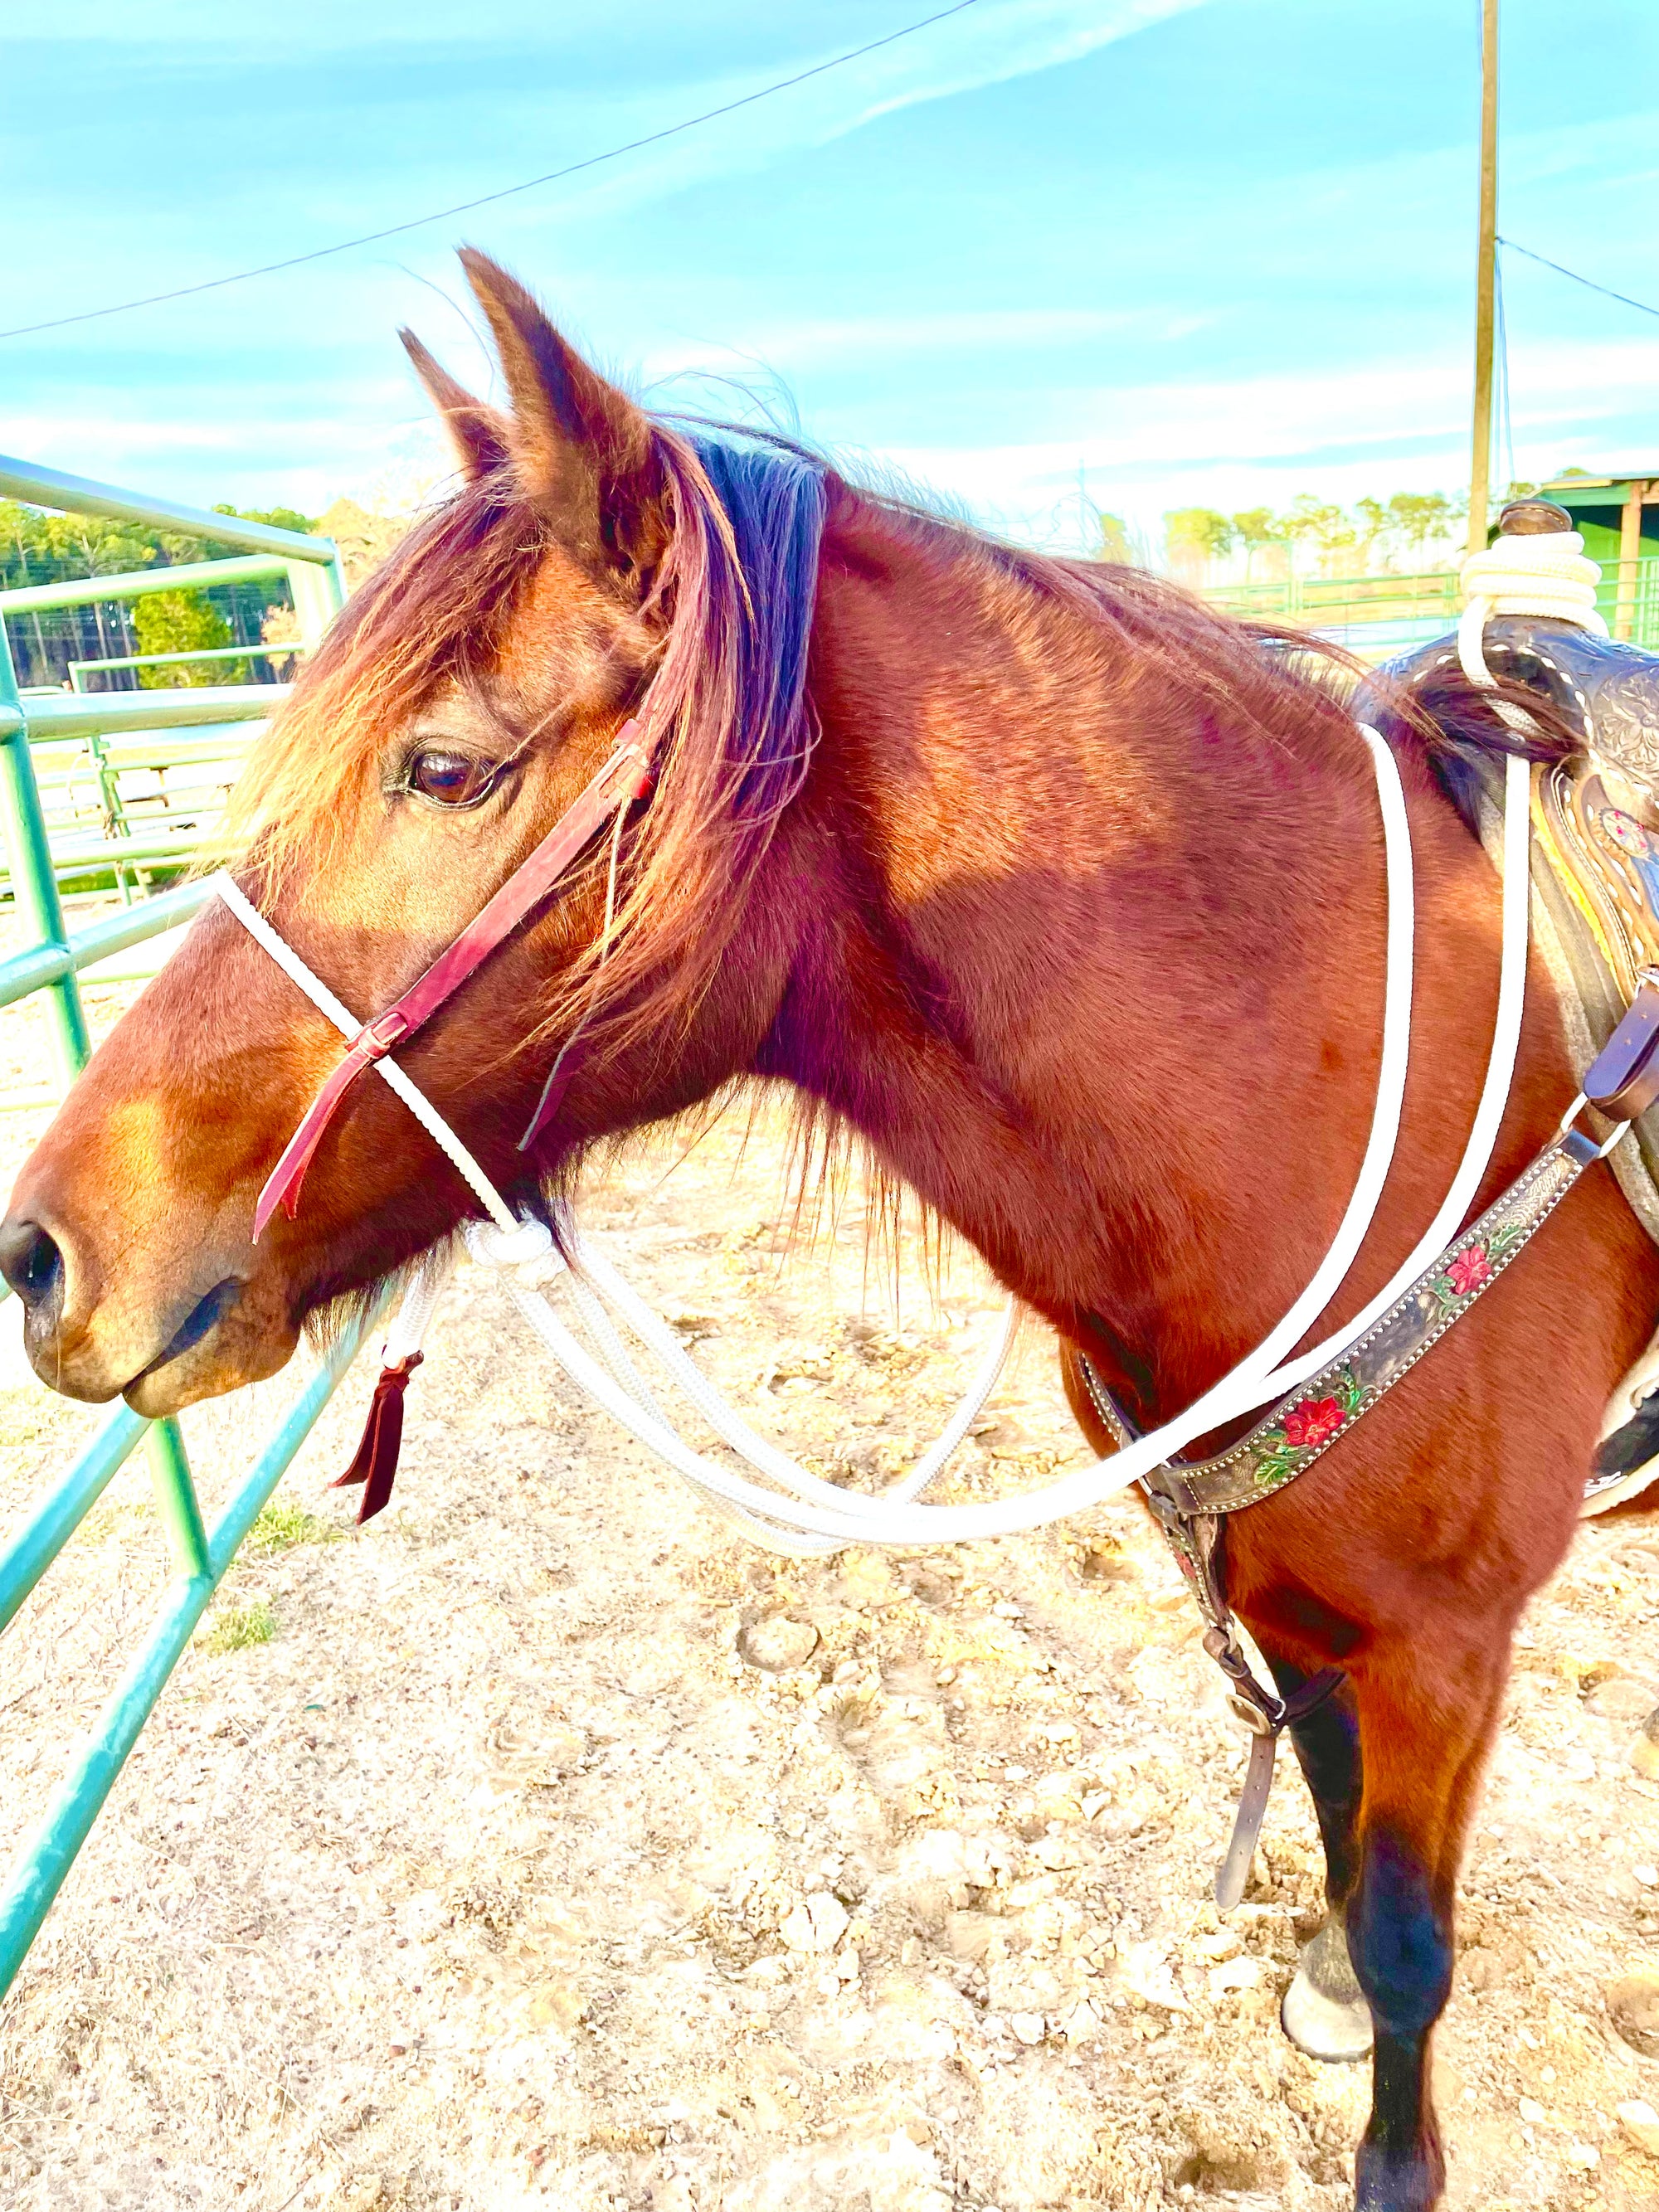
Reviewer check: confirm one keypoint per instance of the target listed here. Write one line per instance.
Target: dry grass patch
(237, 1626)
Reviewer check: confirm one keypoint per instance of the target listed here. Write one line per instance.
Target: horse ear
(477, 432)
(582, 450)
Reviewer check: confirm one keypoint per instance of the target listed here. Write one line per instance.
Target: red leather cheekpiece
(627, 775)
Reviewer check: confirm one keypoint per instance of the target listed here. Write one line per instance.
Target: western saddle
(1595, 894)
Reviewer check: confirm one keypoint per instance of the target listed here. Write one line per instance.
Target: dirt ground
(474, 1861)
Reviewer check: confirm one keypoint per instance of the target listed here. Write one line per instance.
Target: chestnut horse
(1052, 885)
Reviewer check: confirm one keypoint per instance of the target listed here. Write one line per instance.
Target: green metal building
(1618, 518)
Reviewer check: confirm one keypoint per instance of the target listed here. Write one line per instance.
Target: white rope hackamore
(797, 1511)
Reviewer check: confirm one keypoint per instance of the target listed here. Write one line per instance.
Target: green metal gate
(168, 725)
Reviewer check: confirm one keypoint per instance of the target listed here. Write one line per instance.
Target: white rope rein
(524, 1254)
(801, 1511)
(1542, 573)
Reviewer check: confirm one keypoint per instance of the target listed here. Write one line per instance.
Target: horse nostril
(31, 1263)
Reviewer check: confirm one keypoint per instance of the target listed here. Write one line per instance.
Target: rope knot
(529, 1248)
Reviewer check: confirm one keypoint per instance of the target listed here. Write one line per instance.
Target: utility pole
(1481, 457)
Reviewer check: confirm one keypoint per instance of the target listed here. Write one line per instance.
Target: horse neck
(1091, 946)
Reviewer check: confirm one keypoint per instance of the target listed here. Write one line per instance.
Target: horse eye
(451, 779)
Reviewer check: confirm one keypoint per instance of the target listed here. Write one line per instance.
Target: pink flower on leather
(1468, 1271)
(1312, 1422)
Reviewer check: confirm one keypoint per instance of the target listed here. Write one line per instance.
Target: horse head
(586, 571)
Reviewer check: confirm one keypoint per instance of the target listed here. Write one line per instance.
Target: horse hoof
(1414, 2182)
(1324, 2011)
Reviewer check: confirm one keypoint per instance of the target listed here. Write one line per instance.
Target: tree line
(38, 548)
(1409, 530)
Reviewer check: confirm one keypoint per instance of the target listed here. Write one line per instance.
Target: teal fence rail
(132, 782)
(49, 961)
(1380, 615)
(132, 779)
(78, 670)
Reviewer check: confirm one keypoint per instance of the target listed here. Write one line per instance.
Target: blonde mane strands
(726, 715)
(436, 610)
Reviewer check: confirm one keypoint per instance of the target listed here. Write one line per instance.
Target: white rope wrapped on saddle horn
(1540, 573)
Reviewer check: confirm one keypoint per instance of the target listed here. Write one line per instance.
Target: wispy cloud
(995, 42)
(1397, 424)
(875, 339)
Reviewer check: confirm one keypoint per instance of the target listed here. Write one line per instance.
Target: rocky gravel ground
(544, 1844)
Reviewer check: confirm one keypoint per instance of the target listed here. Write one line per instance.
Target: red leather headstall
(626, 776)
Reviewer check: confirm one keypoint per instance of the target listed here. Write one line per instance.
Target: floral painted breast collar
(1191, 1499)
(1287, 1439)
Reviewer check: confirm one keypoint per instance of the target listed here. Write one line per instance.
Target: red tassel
(376, 1462)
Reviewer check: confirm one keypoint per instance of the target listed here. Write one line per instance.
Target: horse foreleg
(1422, 1739)
(1325, 2013)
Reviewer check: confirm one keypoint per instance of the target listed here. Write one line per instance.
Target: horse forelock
(728, 705)
(736, 588)
(435, 611)
(726, 711)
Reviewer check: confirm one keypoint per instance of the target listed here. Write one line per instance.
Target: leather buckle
(381, 1036)
(1257, 1722)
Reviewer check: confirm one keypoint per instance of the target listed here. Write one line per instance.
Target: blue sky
(1185, 250)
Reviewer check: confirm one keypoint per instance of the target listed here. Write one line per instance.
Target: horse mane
(1458, 727)
(1451, 724)
(731, 726)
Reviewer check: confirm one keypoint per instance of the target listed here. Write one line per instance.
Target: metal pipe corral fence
(115, 790)
(1379, 616)
(49, 963)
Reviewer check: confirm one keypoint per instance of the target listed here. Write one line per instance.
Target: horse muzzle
(159, 1349)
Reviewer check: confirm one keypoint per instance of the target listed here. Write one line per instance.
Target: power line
(1606, 290)
(507, 191)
